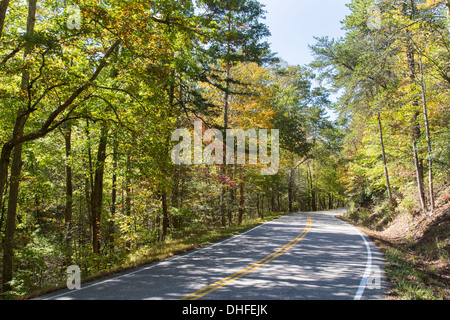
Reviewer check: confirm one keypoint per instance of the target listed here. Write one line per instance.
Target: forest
(91, 92)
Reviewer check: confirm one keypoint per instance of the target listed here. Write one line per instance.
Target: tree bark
(165, 212)
(312, 189)
(89, 186)
(386, 173)
(223, 206)
(9, 242)
(16, 168)
(241, 195)
(410, 56)
(262, 206)
(427, 130)
(128, 186)
(3, 8)
(417, 163)
(257, 204)
(97, 192)
(68, 212)
(291, 190)
(67, 131)
(113, 194)
(4, 167)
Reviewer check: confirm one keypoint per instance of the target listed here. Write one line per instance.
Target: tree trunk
(126, 209)
(427, 130)
(291, 190)
(223, 210)
(3, 8)
(87, 194)
(262, 207)
(89, 183)
(278, 201)
(417, 163)
(176, 187)
(223, 207)
(2, 216)
(165, 212)
(16, 168)
(128, 186)
(386, 173)
(67, 131)
(97, 192)
(257, 204)
(113, 195)
(415, 125)
(179, 169)
(9, 242)
(241, 195)
(4, 166)
(313, 192)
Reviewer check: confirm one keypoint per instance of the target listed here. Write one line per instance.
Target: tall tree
(237, 32)
(364, 80)
(67, 133)
(97, 192)
(16, 167)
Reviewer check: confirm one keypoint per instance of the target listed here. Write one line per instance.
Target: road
(301, 256)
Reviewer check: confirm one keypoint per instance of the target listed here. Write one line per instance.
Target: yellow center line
(239, 274)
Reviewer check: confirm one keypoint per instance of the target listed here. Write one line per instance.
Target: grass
(411, 278)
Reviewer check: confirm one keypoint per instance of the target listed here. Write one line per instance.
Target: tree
(63, 71)
(385, 73)
(17, 162)
(363, 69)
(236, 37)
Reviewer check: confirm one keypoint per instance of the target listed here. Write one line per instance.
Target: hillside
(417, 252)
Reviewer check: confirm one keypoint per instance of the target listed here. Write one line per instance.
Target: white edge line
(162, 262)
(368, 271)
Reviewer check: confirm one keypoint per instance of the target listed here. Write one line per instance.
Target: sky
(294, 23)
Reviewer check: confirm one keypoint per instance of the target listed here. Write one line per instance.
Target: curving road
(300, 256)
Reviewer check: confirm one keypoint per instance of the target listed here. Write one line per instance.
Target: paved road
(296, 257)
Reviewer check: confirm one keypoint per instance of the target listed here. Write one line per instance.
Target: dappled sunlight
(328, 263)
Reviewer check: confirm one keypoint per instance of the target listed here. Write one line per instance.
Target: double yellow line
(239, 274)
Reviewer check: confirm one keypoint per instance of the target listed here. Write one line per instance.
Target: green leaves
(389, 72)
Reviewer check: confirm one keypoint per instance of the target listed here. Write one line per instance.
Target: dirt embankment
(417, 248)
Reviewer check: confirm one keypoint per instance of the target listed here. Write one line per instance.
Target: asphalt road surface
(301, 256)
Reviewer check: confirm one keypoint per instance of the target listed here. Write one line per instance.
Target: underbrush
(414, 277)
(374, 217)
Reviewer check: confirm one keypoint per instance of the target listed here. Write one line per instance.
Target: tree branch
(47, 126)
